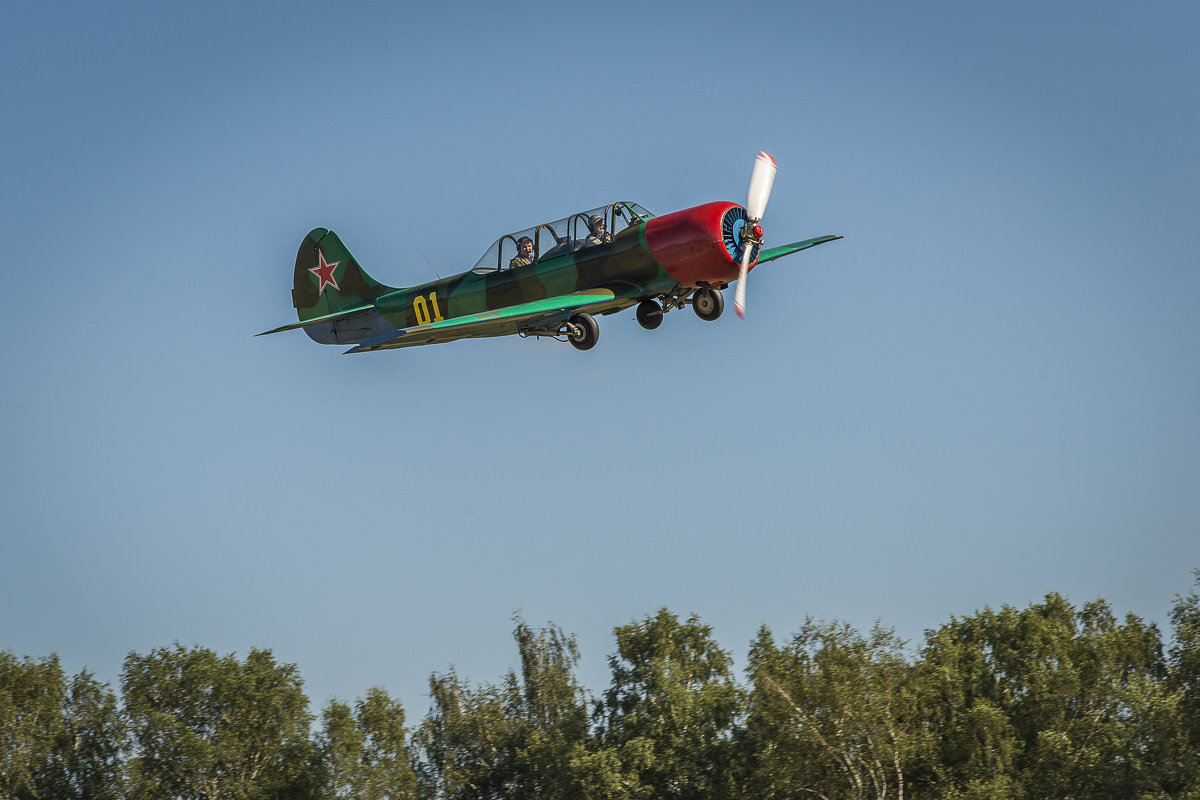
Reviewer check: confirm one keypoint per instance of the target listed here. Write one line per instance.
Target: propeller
(756, 205)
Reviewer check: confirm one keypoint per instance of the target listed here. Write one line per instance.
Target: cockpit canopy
(562, 236)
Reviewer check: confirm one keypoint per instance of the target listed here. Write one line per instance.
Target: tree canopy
(1049, 701)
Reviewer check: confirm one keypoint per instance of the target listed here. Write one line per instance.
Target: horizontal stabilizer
(318, 320)
(795, 247)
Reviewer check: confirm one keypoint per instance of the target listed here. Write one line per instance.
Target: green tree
(833, 714)
(31, 720)
(969, 710)
(364, 751)
(671, 710)
(465, 746)
(1041, 702)
(526, 737)
(86, 762)
(203, 726)
(555, 756)
(1179, 731)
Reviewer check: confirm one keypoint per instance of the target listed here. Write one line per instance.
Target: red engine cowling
(701, 245)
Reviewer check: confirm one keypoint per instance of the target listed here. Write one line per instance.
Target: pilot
(524, 253)
(598, 233)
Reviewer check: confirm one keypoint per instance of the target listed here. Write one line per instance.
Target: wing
(502, 321)
(794, 247)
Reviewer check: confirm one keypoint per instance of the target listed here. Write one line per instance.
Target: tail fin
(328, 279)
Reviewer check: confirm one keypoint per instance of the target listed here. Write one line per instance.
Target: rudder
(328, 279)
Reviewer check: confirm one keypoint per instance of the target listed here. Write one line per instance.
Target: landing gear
(649, 314)
(708, 303)
(582, 331)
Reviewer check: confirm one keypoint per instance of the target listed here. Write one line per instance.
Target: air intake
(731, 232)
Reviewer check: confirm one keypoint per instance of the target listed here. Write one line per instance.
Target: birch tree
(30, 720)
(832, 714)
(364, 750)
(672, 709)
(205, 727)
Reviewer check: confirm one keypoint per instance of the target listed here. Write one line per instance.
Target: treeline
(1050, 701)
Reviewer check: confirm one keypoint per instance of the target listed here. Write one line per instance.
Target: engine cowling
(700, 245)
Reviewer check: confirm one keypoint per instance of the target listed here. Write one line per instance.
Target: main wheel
(649, 314)
(585, 332)
(708, 304)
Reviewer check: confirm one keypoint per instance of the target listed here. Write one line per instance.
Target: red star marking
(324, 272)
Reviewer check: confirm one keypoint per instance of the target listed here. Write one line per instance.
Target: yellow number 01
(422, 310)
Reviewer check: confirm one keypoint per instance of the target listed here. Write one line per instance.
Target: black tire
(588, 332)
(708, 304)
(649, 314)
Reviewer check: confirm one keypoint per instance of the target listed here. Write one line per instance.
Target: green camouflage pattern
(337, 302)
(534, 315)
(348, 306)
(354, 286)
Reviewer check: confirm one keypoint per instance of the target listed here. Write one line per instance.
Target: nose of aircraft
(700, 245)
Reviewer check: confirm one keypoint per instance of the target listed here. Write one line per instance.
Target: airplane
(575, 271)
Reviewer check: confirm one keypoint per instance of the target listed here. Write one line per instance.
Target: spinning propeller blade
(756, 205)
(739, 295)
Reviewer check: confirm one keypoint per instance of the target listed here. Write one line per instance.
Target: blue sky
(986, 392)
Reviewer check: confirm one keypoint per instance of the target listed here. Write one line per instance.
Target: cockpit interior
(567, 235)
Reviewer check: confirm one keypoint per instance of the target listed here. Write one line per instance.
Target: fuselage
(686, 249)
(549, 280)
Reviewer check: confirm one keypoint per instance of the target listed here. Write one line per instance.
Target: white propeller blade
(760, 186)
(761, 180)
(739, 296)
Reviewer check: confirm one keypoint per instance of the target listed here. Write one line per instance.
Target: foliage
(527, 737)
(552, 753)
(30, 720)
(58, 738)
(1049, 701)
(363, 750)
(464, 747)
(833, 714)
(671, 710)
(86, 761)
(209, 727)
(1044, 701)
(1180, 765)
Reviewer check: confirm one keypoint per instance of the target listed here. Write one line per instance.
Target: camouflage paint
(624, 264)
(310, 296)
(644, 261)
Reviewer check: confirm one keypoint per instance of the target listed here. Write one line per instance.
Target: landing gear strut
(706, 301)
(581, 330)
